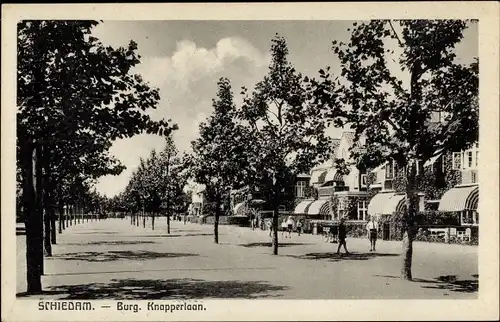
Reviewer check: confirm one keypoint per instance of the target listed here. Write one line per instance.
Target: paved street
(112, 259)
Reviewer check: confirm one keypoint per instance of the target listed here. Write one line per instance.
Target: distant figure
(252, 221)
(342, 235)
(372, 229)
(270, 227)
(299, 227)
(284, 227)
(290, 223)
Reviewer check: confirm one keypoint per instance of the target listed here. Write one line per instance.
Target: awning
(330, 174)
(318, 207)
(237, 207)
(395, 203)
(432, 160)
(460, 198)
(385, 203)
(316, 175)
(303, 207)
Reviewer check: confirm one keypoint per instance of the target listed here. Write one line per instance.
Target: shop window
(362, 210)
(457, 161)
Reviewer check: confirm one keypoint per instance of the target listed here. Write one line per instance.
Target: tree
(72, 90)
(288, 132)
(395, 116)
(220, 158)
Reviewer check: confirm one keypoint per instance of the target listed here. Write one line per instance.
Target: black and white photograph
(162, 164)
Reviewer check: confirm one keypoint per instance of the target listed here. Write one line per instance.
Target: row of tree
(279, 130)
(156, 187)
(75, 96)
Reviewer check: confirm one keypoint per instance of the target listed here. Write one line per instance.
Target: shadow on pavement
(130, 289)
(334, 257)
(151, 236)
(201, 234)
(98, 233)
(447, 282)
(118, 255)
(269, 244)
(114, 242)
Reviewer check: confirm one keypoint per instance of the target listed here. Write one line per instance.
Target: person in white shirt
(290, 223)
(372, 229)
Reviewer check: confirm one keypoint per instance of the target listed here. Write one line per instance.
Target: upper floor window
(477, 158)
(363, 180)
(470, 159)
(300, 187)
(457, 161)
(389, 170)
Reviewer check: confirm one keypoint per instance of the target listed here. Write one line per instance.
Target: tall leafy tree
(288, 131)
(72, 89)
(396, 77)
(220, 153)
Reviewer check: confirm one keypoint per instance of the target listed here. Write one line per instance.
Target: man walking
(342, 235)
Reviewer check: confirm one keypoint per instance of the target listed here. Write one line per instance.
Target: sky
(184, 59)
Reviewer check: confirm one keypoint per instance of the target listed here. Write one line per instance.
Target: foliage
(288, 131)
(394, 112)
(310, 192)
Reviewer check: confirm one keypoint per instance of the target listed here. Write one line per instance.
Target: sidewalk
(113, 259)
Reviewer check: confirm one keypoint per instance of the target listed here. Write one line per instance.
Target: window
(469, 159)
(389, 171)
(473, 177)
(362, 209)
(457, 161)
(477, 158)
(419, 167)
(443, 163)
(363, 180)
(300, 189)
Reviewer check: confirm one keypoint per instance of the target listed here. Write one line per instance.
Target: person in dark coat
(342, 235)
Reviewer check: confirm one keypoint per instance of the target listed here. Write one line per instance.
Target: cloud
(187, 80)
(190, 63)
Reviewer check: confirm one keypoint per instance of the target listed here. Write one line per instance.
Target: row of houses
(448, 184)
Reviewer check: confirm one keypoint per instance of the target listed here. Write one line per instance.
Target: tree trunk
(42, 197)
(33, 222)
(168, 223)
(143, 219)
(153, 221)
(53, 231)
(216, 219)
(61, 220)
(275, 218)
(411, 201)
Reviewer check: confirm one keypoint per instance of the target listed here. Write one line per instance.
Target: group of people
(372, 229)
(288, 225)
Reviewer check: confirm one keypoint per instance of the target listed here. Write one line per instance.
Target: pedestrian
(299, 227)
(252, 222)
(284, 227)
(372, 229)
(342, 235)
(290, 223)
(270, 227)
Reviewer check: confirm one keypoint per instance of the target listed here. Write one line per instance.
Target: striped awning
(318, 207)
(238, 207)
(385, 203)
(395, 203)
(303, 207)
(460, 198)
(316, 175)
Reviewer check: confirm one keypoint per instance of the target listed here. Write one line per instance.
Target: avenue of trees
(75, 96)
(283, 120)
(156, 187)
